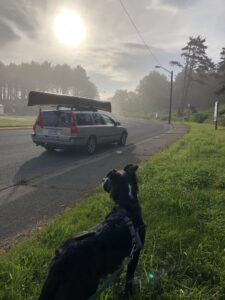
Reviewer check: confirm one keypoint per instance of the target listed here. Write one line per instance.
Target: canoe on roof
(42, 98)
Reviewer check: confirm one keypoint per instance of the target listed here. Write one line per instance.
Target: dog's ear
(112, 174)
(131, 168)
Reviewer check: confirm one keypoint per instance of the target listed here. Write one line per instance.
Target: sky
(112, 52)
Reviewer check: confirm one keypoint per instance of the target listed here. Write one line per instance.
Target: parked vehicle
(74, 125)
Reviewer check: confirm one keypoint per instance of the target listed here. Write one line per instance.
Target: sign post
(216, 114)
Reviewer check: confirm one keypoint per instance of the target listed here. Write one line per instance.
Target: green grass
(182, 194)
(18, 121)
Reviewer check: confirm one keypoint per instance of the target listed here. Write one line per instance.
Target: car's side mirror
(117, 123)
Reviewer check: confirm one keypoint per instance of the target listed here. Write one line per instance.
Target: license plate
(52, 132)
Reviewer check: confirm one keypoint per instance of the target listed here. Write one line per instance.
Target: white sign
(216, 111)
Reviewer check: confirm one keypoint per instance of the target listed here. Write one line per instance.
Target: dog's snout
(106, 184)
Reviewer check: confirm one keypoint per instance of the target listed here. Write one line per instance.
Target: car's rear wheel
(91, 145)
(123, 139)
(48, 148)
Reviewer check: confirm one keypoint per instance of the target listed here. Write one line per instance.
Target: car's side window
(98, 119)
(108, 120)
(84, 119)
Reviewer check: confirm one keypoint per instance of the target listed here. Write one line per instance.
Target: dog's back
(98, 253)
(83, 260)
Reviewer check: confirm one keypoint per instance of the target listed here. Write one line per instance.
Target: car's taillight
(73, 128)
(39, 121)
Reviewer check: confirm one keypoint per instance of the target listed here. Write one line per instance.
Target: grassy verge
(16, 121)
(182, 194)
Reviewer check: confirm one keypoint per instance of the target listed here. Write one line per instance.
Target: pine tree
(195, 67)
(221, 72)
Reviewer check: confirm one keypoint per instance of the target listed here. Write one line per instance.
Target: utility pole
(171, 91)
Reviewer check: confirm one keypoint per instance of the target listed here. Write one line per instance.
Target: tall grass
(182, 194)
(184, 202)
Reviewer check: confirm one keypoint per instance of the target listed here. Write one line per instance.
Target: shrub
(200, 117)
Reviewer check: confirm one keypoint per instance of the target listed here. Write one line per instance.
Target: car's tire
(48, 148)
(91, 145)
(123, 139)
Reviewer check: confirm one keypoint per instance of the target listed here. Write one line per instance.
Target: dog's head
(122, 185)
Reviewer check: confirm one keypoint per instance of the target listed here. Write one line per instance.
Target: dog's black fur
(85, 259)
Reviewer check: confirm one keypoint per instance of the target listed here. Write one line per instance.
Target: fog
(106, 46)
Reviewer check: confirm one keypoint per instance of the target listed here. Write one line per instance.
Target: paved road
(35, 185)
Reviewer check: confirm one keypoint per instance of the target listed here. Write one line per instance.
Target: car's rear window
(84, 119)
(56, 119)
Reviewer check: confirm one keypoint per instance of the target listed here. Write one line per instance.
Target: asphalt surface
(36, 185)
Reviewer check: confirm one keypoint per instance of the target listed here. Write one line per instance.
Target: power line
(139, 34)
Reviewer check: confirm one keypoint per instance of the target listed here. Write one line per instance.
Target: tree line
(17, 80)
(198, 83)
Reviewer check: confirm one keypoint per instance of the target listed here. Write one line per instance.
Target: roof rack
(72, 102)
(77, 107)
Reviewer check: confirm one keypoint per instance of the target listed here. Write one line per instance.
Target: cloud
(179, 3)
(7, 34)
(135, 46)
(123, 66)
(172, 6)
(19, 19)
(112, 51)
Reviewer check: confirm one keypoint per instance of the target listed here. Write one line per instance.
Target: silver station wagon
(74, 122)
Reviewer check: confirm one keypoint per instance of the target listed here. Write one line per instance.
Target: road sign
(216, 113)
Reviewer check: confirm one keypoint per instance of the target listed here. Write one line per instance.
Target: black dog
(85, 259)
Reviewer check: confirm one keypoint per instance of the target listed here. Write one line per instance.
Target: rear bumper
(58, 142)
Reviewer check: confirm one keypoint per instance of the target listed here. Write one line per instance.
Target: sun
(69, 28)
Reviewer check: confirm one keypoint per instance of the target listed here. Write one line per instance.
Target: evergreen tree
(120, 101)
(17, 80)
(195, 67)
(151, 95)
(153, 92)
(221, 72)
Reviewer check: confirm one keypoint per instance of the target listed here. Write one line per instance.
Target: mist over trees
(153, 91)
(16, 81)
(151, 95)
(198, 85)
